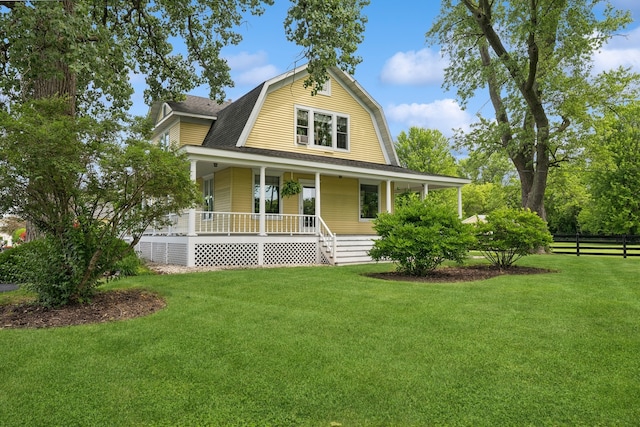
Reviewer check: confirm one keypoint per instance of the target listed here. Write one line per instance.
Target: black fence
(581, 244)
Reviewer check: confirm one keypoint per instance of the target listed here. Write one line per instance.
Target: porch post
(460, 202)
(191, 222)
(318, 211)
(388, 196)
(425, 190)
(263, 223)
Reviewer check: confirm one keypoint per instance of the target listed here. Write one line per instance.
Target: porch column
(263, 222)
(460, 202)
(388, 196)
(191, 222)
(425, 190)
(318, 211)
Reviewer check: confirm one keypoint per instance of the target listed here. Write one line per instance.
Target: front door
(308, 208)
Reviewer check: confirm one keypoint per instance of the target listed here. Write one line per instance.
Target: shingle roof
(326, 160)
(226, 130)
(198, 105)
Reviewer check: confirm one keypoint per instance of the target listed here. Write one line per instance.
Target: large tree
(613, 177)
(87, 50)
(426, 150)
(535, 59)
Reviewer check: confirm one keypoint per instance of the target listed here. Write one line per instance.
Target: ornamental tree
(85, 185)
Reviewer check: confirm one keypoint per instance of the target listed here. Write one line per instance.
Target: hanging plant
(290, 188)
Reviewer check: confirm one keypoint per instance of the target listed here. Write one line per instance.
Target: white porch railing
(249, 223)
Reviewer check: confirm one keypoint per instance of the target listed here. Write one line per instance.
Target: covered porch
(246, 222)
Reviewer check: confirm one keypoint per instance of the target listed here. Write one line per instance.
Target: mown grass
(315, 346)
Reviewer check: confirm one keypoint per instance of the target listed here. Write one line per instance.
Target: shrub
(13, 264)
(419, 237)
(130, 265)
(510, 234)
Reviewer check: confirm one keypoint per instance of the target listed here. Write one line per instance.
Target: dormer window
(322, 129)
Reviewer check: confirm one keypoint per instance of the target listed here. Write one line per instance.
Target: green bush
(510, 234)
(53, 270)
(419, 237)
(130, 265)
(13, 262)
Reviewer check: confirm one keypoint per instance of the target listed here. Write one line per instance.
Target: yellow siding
(242, 190)
(192, 133)
(275, 126)
(340, 199)
(222, 191)
(174, 133)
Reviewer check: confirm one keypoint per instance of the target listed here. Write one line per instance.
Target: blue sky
(399, 70)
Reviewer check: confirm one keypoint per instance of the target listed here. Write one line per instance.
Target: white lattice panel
(159, 253)
(144, 249)
(177, 253)
(226, 254)
(286, 253)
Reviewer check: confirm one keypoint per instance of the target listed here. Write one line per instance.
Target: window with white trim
(369, 200)
(324, 129)
(165, 141)
(325, 89)
(271, 194)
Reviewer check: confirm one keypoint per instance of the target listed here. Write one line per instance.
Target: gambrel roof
(235, 121)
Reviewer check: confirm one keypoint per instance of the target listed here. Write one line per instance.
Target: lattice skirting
(249, 254)
(234, 251)
(164, 253)
(226, 254)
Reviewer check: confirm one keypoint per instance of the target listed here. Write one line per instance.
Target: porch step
(354, 249)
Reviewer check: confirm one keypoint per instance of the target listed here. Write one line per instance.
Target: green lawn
(316, 346)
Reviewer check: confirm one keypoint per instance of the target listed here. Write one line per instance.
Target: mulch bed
(459, 274)
(104, 307)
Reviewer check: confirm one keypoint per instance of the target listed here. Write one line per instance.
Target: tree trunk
(59, 81)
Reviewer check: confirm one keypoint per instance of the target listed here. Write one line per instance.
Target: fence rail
(607, 245)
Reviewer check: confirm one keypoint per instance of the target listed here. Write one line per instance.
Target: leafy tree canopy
(614, 174)
(535, 60)
(88, 49)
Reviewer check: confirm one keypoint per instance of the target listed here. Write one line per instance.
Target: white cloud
(414, 68)
(443, 115)
(251, 68)
(257, 75)
(245, 60)
(620, 51)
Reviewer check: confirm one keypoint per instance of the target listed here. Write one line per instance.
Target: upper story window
(322, 129)
(325, 89)
(165, 140)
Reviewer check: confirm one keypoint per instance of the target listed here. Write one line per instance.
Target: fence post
(624, 245)
(577, 244)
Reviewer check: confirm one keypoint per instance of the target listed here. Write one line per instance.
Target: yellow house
(286, 177)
